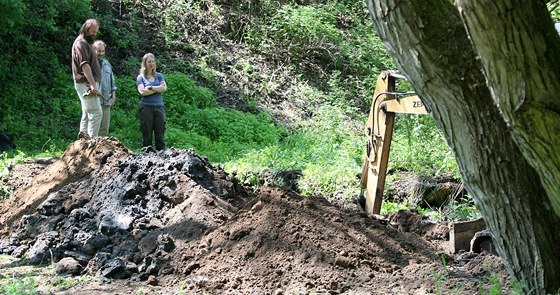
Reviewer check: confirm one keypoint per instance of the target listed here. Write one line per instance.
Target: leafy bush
(305, 26)
(124, 114)
(184, 93)
(7, 162)
(39, 107)
(323, 41)
(326, 151)
(17, 286)
(419, 146)
(38, 119)
(223, 134)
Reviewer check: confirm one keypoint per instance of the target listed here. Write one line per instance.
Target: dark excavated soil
(171, 223)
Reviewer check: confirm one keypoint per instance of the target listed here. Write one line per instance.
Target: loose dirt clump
(170, 222)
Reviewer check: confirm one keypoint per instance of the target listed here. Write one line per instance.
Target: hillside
(287, 81)
(262, 90)
(284, 59)
(169, 222)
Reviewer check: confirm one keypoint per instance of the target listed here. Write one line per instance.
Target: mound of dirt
(170, 218)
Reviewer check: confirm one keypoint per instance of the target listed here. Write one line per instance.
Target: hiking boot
(83, 135)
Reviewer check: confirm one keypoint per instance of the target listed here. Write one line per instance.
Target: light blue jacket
(108, 84)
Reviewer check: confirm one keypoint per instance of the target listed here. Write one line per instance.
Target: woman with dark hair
(151, 85)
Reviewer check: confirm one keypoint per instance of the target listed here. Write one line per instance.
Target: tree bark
(431, 46)
(523, 74)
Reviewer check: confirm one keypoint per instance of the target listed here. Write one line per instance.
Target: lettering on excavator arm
(379, 132)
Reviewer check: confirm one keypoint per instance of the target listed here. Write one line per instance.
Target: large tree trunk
(524, 76)
(431, 46)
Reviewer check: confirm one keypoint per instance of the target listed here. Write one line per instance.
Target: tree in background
(495, 97)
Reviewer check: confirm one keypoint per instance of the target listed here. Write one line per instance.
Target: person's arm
(145, 91)
(113, 88)
(114, 95)
(89, 76)
(161, 88)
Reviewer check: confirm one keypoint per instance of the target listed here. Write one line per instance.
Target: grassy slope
(269, 88)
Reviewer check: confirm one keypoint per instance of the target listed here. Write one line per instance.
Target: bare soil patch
(170, 222)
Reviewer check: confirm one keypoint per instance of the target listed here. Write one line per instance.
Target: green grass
(22, 278)
(7, 162)
(15, 286)
(326, 150)
(13, 282)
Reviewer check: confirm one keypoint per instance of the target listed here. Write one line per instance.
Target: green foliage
(441, 275)
(124, 114)
(129, 67)
(329, 44)
(326, 151)
(40, 120)
(11, 15)
(444, 262)
(184, 93)
(201, 71)
(194, 120)
(418, 146)
(305, 26)
(36, 110)
(18, 286)
(222, 134)
(493, 284)
(24, 281)
(323, 40)
(495, 287)
(120, 33)
(37, 30)
(518, 288)
(171, 23)
(456, 211)
(438, 278)
(7, 162)
(461, 210)
(554, 9)
(388, 207)
(64, 283)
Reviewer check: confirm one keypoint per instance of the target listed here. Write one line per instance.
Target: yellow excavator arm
(379, 131)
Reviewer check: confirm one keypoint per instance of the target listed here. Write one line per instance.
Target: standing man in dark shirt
(87, 75)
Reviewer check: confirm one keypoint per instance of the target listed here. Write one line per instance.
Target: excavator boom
(379, 132)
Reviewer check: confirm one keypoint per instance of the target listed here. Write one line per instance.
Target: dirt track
(170, 221)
